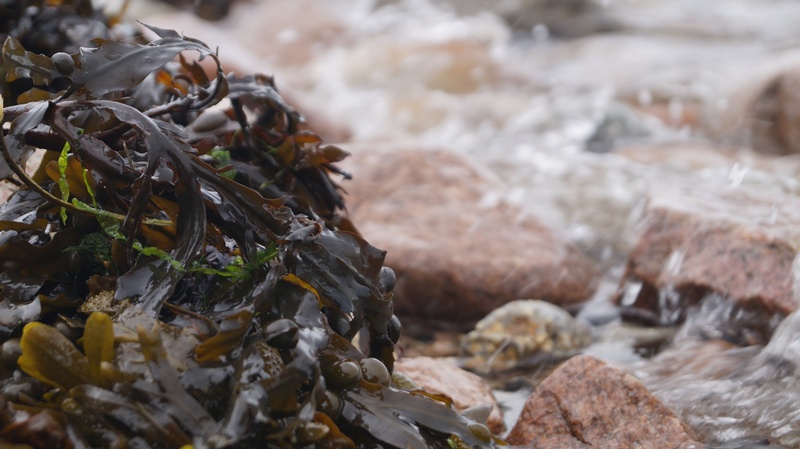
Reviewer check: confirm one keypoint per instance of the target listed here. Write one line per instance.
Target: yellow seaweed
(50, 357)
(98, 344)
(293, 279)
(229, 337)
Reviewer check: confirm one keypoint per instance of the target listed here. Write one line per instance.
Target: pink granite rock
(457, 254)
(588, 404)
(443, 377)
(737, 243)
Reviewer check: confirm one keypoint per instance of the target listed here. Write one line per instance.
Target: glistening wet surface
(581, 128)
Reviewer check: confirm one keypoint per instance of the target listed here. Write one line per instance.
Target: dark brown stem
(46, 140)
(30, 182)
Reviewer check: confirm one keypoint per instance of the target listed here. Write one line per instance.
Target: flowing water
(541, 104)
(727, 392)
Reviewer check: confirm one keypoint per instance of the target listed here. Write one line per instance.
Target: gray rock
(563, 18)
(620, 125)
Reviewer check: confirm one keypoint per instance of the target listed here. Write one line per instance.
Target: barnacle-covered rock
(520, 333)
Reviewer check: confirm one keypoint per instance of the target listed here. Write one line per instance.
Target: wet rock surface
(467, 390)
(766, 113)
(457, 251)
(705, 85)
(587, 403)
(563, 18)
(523, 332)
(727, 241)
(707, 381)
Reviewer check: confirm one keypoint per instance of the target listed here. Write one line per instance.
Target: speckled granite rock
(444, 377)
(588, 404)
(740, 244)
(518, 332)
(458, 253)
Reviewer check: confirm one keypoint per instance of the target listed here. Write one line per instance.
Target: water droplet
(674, 263)
(645, 97)
(736, 175)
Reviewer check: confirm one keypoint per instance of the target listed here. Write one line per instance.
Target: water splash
(725, 392)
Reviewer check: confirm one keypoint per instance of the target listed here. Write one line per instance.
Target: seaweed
(177, 270)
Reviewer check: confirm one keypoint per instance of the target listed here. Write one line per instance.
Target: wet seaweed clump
(176, 270)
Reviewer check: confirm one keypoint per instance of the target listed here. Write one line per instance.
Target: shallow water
(725, 392)
(526, 106)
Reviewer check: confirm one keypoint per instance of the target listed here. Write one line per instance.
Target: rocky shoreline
(583, 391)
(590, 206)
